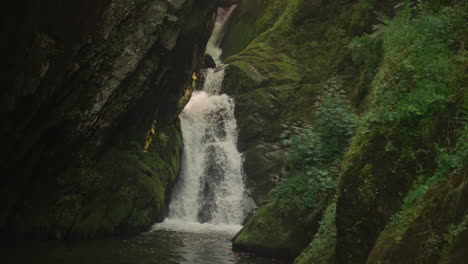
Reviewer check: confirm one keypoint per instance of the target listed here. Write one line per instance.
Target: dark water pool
(157, 247)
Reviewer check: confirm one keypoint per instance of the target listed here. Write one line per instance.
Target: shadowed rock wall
(90, 138)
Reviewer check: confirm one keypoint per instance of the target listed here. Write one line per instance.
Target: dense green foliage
(418, 82)
(315, 151)
(450, 162)
(419, 59)
(411, 142)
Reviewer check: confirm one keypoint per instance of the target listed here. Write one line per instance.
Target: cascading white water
(210, 188)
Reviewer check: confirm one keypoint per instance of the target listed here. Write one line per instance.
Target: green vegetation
(269, 232)
(125, 192)
(322, 248)
(414, 120)
(401, 183)
(449, 164)
(314, 152)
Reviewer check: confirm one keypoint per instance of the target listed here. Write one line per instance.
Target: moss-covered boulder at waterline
(270, 232)
(91, 143)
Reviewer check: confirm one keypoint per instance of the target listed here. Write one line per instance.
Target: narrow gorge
(234, 132)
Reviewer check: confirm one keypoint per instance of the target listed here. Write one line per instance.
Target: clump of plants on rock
(315, 151)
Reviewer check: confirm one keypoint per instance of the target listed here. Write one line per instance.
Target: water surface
(156, 247)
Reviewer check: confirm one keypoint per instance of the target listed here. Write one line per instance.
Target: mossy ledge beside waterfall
(210, 188)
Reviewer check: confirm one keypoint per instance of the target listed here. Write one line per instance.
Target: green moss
(265, 65)
(455, 242)
(367, 191)
(251, 18)
(126, 191)
(431, 229)
(411, 114)
(361, 13)
(266, 103)
(265, 229)
(420, 210)
(269, 232)
(185, 98)
(322, 248)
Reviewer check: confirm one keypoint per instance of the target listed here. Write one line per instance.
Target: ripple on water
(212, 245)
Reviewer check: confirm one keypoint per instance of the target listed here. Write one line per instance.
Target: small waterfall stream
(210, 192)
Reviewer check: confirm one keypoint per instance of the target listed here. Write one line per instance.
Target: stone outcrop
(90, 137)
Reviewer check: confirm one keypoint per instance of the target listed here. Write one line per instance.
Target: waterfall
(210, 188)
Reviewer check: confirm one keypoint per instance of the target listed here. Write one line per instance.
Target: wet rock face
(39, 33)
(89, 111)
(215, 161)
(209, 62)
(217, 131)
(214, 174)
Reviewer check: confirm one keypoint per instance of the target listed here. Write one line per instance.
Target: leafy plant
(455, 230)
(336, 122)
(315, 151)
(172, 18)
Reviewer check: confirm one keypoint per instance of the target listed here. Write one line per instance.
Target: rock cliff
(92, 89)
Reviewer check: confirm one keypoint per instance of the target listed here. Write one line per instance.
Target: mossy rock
(125, 192)
(436, 229)
(106, 148)
(322, 248)
(263, 163)
(404, 130)
(269, 232)
(248, 21)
